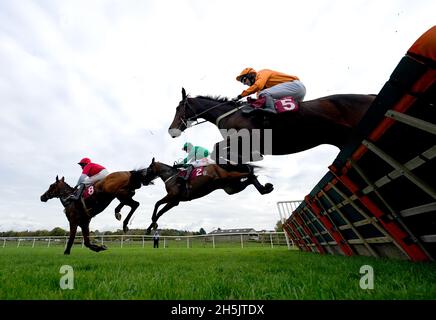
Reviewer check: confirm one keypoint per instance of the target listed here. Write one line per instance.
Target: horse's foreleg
(133, 206)
(87, 242)
(167, 207)
(73, 230)
(117, 211)
(165, 199)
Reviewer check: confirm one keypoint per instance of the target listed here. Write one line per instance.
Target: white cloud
(102, 79)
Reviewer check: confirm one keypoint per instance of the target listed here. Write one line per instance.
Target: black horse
(209, 178)
(327, 120)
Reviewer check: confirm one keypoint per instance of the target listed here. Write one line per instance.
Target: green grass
(235, 273)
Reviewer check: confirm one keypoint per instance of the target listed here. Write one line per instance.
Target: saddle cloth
(88, 191)
(196, 172)
(285, 104)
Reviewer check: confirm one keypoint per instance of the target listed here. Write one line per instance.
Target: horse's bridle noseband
(187, 122)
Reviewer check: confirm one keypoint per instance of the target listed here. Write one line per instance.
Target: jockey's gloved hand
(239, 97)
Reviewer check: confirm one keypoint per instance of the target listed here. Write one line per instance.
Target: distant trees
(279, 226)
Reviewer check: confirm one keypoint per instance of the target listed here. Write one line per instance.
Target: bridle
(61, 193)
(189, 122)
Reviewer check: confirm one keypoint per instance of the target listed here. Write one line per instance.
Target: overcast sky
(102, 79)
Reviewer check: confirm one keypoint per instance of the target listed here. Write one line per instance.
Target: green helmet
(187, 146)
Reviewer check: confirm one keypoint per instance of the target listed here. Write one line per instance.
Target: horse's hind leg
(267, 188)
(133, 206)
(117, 211)
(237, 187)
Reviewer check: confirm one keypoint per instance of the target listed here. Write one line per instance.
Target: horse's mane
(214, 98)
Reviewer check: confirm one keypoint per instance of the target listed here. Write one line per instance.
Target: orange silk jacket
(266, 79)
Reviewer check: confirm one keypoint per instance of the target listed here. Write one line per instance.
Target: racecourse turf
(205, 273)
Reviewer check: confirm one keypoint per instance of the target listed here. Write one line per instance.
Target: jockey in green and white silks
(197, 156)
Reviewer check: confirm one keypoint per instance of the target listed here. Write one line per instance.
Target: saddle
(194, 173)
(285, 104)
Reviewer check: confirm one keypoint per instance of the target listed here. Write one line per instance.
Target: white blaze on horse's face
(174, 133)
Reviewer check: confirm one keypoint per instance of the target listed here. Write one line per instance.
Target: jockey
(197, 156)
(91, 173)
(271, 85)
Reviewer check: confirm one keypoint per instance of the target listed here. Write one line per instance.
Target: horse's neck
(66, 190)
(166, 171)
(212, 109)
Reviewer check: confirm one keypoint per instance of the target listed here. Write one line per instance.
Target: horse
(327, 120)
(209, 178)
(120, 185)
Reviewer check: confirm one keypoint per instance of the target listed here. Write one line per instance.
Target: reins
(195, 116)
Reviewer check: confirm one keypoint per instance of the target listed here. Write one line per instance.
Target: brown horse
(120, 185)
(327, 120)
(212, 177)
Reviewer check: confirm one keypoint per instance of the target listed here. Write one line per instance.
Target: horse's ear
(152, 160)
(57, 179)
(183, 94)
(63, 179)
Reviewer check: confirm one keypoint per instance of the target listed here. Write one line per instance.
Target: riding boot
(269, 104)
(188, 172)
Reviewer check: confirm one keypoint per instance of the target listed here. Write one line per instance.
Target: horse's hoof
(268, 188)
(66, 253)
(118, 216)
(125, 229)
(147, 232)
(103, 247)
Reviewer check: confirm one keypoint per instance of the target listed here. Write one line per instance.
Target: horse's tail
(137, 178)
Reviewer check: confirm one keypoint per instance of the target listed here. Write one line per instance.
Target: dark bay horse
(213, 177)
(327, 120)
(120, 185)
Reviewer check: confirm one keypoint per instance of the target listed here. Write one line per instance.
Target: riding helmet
(245, 72)
(84, 161)
(187, 146)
